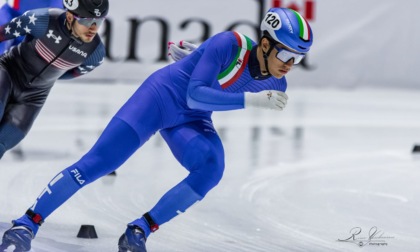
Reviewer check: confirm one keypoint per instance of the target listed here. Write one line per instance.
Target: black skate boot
(19, 236)
(133, 240)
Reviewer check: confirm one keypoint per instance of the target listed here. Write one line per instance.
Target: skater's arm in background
(32, 23)
(94, 60)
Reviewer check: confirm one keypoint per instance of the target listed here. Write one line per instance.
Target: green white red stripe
(304, 31)
(237, 66)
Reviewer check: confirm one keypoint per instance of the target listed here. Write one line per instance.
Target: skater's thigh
(142, 113)
(5, 88)
(193, 142)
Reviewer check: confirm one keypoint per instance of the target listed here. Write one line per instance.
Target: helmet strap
(265, 56)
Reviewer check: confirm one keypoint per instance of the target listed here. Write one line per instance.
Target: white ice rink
(333, 164)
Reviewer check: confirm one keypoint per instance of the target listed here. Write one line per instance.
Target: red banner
(306, 8)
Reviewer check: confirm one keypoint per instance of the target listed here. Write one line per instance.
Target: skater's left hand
(183, 49)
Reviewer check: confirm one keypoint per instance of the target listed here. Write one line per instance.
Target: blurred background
(357, 43)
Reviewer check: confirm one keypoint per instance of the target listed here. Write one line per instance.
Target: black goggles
(88, 22)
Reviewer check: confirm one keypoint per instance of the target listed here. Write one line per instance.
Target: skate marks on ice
(316, 202)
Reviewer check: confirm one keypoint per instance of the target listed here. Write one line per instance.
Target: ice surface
(296, 180)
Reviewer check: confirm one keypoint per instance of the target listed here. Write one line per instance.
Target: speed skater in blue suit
(228, 71)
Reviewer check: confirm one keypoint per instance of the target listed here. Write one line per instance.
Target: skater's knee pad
(2, 150)
(2, 105)
(10, 136)
(206, 166)
(206, 178)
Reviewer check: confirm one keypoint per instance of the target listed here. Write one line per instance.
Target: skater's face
(83, 28)
(276, 67)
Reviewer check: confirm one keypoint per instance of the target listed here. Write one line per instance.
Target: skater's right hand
(268, 99)
(183, 49)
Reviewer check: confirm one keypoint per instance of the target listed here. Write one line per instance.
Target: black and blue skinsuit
(29, 70)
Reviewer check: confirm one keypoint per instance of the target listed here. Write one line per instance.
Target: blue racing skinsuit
(177, 101)
(12, 9)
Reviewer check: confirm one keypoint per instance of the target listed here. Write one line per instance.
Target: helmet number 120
(272, 20)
